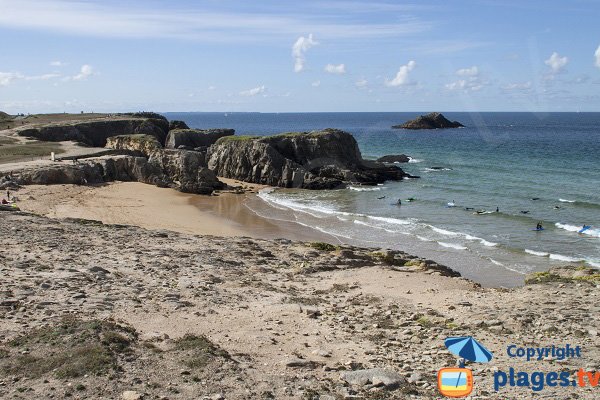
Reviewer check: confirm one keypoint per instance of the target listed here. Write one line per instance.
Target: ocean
(532, 167)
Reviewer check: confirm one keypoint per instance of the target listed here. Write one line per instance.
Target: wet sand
(150, 207)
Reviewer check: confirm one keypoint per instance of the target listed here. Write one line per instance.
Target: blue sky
(278, 56)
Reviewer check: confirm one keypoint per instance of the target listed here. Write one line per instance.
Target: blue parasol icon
(468, 348)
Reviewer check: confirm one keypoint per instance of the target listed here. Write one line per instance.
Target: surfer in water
(399, 203)
(539, 226)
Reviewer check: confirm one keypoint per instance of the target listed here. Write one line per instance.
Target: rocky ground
(106, 311)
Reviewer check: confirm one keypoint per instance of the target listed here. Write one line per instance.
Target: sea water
(532, 167)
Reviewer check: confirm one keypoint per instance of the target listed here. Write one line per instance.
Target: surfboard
(585, 228)
(536, 229)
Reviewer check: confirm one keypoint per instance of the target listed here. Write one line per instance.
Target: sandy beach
(150, 207)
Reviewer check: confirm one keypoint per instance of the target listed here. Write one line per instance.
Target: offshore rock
(433, 120)
(394, 158)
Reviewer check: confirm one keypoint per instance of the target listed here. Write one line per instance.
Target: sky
(299, 56)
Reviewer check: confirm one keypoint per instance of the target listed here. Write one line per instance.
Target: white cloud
(85, 72)
(556, 62)
(299, 49)
(472, 71)
(362, 83)
(316, 84)
(253, 91)
(6, 78)
(335, 69)
(470, 80)
(57, 64)
(597, 55)
(201, 21)
(401, 77)
(472, 83)
(517, 86)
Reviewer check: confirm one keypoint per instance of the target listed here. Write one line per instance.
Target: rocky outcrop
(96, 132)
(175, 124)
(430, 121)
(194, 138)
(316, 160)
(187, 169)
(394, 158)
(181, 170)
(144, 144)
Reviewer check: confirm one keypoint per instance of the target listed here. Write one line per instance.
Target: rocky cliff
(96, 132)
(430, 121)
(315, 160)
(194, 138)
(143, 144)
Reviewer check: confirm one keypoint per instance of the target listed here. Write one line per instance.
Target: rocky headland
(152, 150)
(432, 120)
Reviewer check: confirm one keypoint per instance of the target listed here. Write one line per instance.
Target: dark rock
(324, 159)
(394, 158)
(430, 121)
(192, 138)
(96, 132)
(175, 124)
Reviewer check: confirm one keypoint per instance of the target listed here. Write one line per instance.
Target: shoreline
(226, 215)
(150, 207)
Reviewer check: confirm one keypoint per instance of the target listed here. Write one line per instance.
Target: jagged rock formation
(143, 144)
(181, 170)
(433, 120)
(194, 138)
(176, 124)
(96, 132)
(394, 158)
(316, 160)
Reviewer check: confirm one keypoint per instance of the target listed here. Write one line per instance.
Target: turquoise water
(500, 160)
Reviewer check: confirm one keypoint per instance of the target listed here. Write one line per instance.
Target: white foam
(452, 246)
(594, 263)
(391, 220)
(414, 160)
(437, 169)
(364, 189)
(537, 253)
(574, 228)
(424, 239)
(566, 201)
(444, 232)
(560, 257)
(496, 262)
(482, 241)
(375, 226)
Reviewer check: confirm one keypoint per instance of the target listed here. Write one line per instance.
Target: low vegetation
(12, 150)
(200, 351)
(70, 349)
(323, 246)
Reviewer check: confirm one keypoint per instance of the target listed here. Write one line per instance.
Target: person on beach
(8, 194)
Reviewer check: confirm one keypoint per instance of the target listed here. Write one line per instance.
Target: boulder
(324, 159)
(175, 124)
(433, 120)
(96, 132)
(394, 158)
(192, 138)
